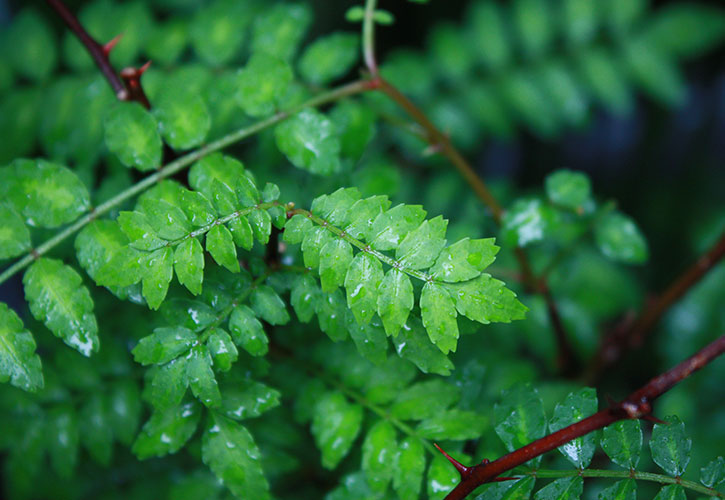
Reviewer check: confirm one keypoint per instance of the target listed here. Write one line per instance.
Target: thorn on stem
(462, 469)
(654, 419)
(111, 44)
(502, 479)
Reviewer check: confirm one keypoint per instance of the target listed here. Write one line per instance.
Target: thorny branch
(636, 405)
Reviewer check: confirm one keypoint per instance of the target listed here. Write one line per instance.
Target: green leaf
(189, 264)
(220, 244)
(619, 239)
(364, 276)
(279, 30)
(296, 228)
(520, 418)
(224, 169)
(576, 407)
(622, 442)
(183, 117)
(163, 345)
(442, 477)
(97, 434)
(370, 339)
(420, 247)
(261, 84)
(46, 194)
(261, 223)
(248, 399)
(686, 29)
(247, 331)
(197, 208)
(378, 451)
(655, 72)
(125, 410)
(606, 77)
(621, 490)
(439, 317)
(137, 228)
(331, 313)
(363, 214)
(62, 440)
(310, 142)
(455, 424)
(489, 34)
(269, 306)
(412, 345)
(202, 382)
(566, 488)
(241, 232)
(464, 260)
(247, 192)
(424, 400)
(58, 298)
(485, 299)
(97, 243)
(671, 492)
(18, 362)
(304, 296)
(329, 57)
(527, 221)
(125, 268)
(395, 300)
(270, 193)
(534, 26)
(169, 384)
(355, 123)
(158, 274)
(132, 135)
(335, 208)
(389, 228)
(218, 31)
(670, 446)
(335, 258)
(167, 431)
(33, 47)
(223, 198)
(231, 453)
(713, 473)
(569, 189)
(222, 349)
(335, 425)
(14, 236)
(408, 468)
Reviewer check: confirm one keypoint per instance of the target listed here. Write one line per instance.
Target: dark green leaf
(671, 492)
(335, 425)
(269, 306)
(329, 57)
(621, 490)
(457, 425)
(619, 238)
(183, 117)
(280, 29)
(412, 345)
(14, 236)
(713, 473)
(167, 431)
(303, 297)
(520, 417)
(18, 362)
(408, 468)
(622, 442)
(247, 331)
(220, 244)
(261, 84)
(424, 400)
(169, 384)
(671, 446)
(217, 166)
(378, 450)
(163, 345)
(222, 349)
(566, 488)
(576, 407)
(568, 189)
(201, 378)
(442, 477)
(248, 399)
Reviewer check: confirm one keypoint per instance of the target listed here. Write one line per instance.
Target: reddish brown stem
(632, 335)
(636, 405)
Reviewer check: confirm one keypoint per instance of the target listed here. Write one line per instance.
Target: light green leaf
(455, 424)
(220, 244)
(363, 214)
(424, 400)
(619, 239)
(671, 446)
(247, 192)
(520, 490)
(241, 232)
(568, 189)
(14, 236)
(378, 451)
(217, 166)
(621, 490)
(364, 276)
(201, 377)
(489, 34)
(261, 84)
(247, 331)
(167, 431)
(125, 268)
(408, 468)
(139, 232)
(442, 477)
(248, 399)
(183, 117)
(197, 208)
(527, 221)
(163, 345)
(169, 384)
(464, 260)
(279, 30)
(566, 488)
(223, 198)
(395, 300)
(713, 473)
(222, 349)
(671, 492)
(412, 345)
(439, 317)
(189, 264)
(132, 135)
(157, 276)
(622, 442)
(335, 258)
(329, 57)
(231, 453)
(520, 417)
(420, 247)
(97, 243)
(355, 123)
(316, 238)
(389, 228)
(576, 407)
(370, 339)
(310, 142)
(296, 229)
(485, 299)
(18, 362)
(331, 313)
(336, 208)
(269, 306)
(534, 26)
(58, 298)
(46, 194)
(303, 297)
(261, 224)
(335, 425)
(218, 31)
(31, 45)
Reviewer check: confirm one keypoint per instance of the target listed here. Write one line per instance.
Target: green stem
(642, 476)
(178, 165)
(369, 37)
(363, 247)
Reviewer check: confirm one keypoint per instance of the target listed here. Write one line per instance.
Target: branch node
(462, 469)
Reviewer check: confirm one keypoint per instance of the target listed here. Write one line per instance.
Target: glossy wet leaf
(279, 30)
(395, 300)
(138, 230)
(577, 406)
(713, 473)
(622, 442)
(220, 244)
(453, 424)
(329, 57)
(215, 166)
(269, 306)
(304, 296)
(247, 331)
(169, 384)
(439, 317)
(485, 299)
(202, 381)
(411, 344)
(442, 477)
(520, 418)
(189, 264)
(370, 339)
(310, 142)
(58, 298)
(363, 214)
(621, 490)
(619, 239)
(14, 236)
(132, 135)
(520, 490)
(19, 364)
(390, 227)
(242, 232)
(420, 247)
(167, 431)
(183, 117)
(566, 488)
(231, 453)
(248, 399)
(464, 260)
(527, 221)
(671, 492)
(378, 451)
(364, 274)
(568, 189)
(163, 345)
(222, 349)
(157, 276)
(424, 400)
(261, 223)
(408, 467)
(670, 446)
(198, 208)
(261, 84)
(296, 228)
(97, 243)
(335, 258)
(335, 425)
